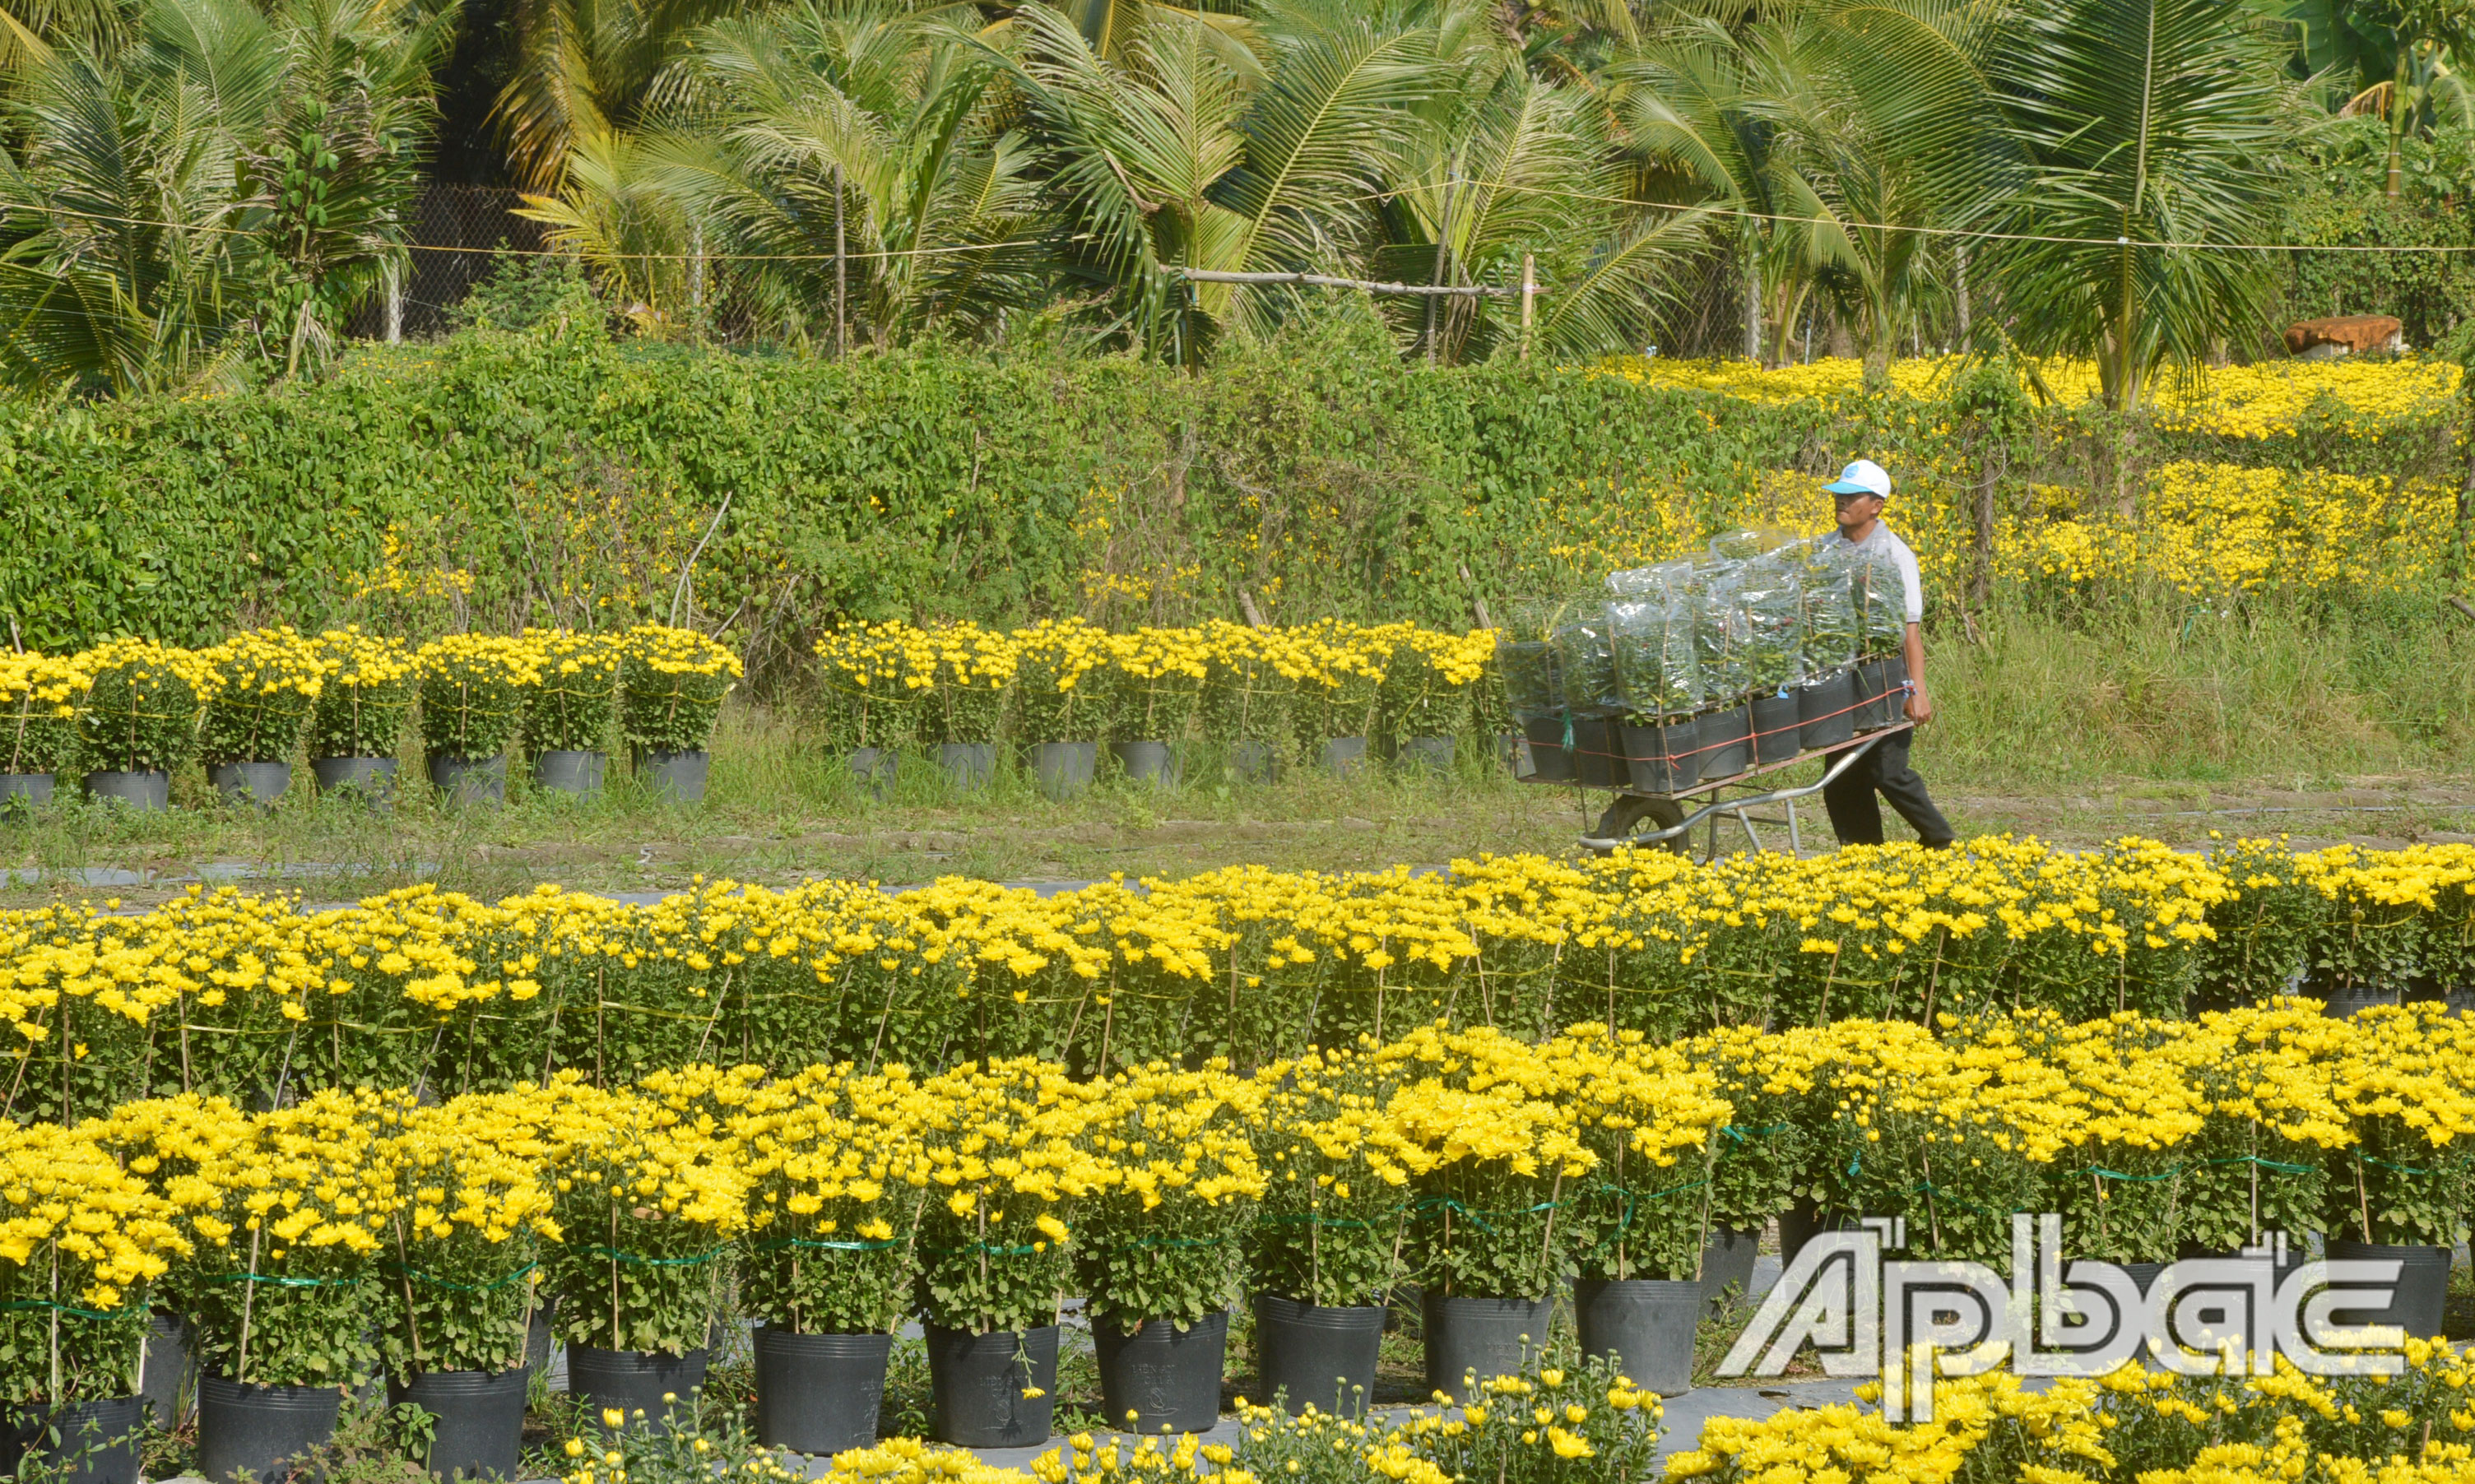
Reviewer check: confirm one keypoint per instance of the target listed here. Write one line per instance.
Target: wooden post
(1254, 614)
(842, 282)
(394, 302)
(1529, 300)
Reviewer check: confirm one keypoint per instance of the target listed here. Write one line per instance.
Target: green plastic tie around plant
(67, 1308)
(1149, 1241)
(2278, 1166)
(812, 1244)
(1448, 1204)
(2402, 1169)
(616, 1255)
(1739, 1132)
(992, 1249)
(1312, 1219)
(432, 1280)
(280, 1282)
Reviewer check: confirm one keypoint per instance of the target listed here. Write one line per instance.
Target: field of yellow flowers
(233, 994)
(353, 1230)
(2227, 505)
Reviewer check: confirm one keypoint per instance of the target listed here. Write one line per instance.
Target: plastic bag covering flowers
(82, 1243)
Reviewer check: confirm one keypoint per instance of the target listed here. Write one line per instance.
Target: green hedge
(497, 478)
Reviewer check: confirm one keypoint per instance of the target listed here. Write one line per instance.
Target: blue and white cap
(1862, 478)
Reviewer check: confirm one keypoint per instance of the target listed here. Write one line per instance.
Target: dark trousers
(1857, 819)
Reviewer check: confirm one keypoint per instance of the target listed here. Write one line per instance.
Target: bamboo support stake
(1529, 305)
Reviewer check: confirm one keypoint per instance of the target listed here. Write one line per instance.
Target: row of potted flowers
(304, 1247)
(126, 714)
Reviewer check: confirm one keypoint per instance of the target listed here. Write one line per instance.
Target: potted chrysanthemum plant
(1160, 1250)
(137, 719)
(993, 1240)
(567, 714)
(671, 682)
(474, 692)
(1336, 1212)
(649, 1202)
(87, 1241)
(1154, 681)
(1060, 703)
(875, 677)
(356, 725)
(455, 1288)
(38, 696)
(260, 690)
(1493, 1165)
(834, 1187)
(1640, 1229)
(283, 1213)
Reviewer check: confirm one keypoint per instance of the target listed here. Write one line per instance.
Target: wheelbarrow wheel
(1632, 814)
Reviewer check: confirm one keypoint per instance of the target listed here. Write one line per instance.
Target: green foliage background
(557, 477)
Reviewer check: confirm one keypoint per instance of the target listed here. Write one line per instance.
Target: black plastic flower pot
(634, 1381)
(1424, 754)
(1472, 1340)
(1728, 1264)
(34, 789)
(1255, 761)
(82, 1443)
(2416, 1299)
(1662, 758)
(968, 767)
(1550, 760)
(1827, 708)
(577, 773)
(1777, 724)
(1599, 759)
(166, 1380)
(1146, 762)
(1160, 1378)
(1725, 742)
(370, 779)
(249, 1432)
(678, 777)
(480, 1414)
(147, 791)
(250, 783)
(1320, 1355)
(1342, 757)
(1873, 695)
(1063, 769)
(539, 1341)
(818, 1393)
(1648, 1325)
(874, 768)
(469, 781)
(976, 1385)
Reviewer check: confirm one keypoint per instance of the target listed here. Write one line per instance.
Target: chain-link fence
(456, 231)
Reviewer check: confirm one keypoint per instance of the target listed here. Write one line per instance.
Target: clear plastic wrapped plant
(1772, 600)
(1720, 632)
(1586, 657)
(1830, 625)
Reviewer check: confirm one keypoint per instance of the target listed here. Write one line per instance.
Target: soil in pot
(82, 1443)
(1167, 1378)
(634, 1381)
(818, 1393)
(1648, 1325)
(1480, 1339)
(976, 1384)
(1321, 1356)
(480, 1418)
(248, 1431)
